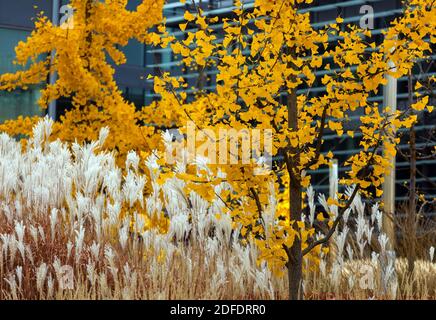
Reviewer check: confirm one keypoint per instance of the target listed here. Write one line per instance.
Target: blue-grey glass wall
(15, 25)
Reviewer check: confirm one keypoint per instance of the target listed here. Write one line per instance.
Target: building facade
(16, 23)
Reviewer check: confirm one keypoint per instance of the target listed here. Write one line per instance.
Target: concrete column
(53, 76)
(390, 100)
(333, 179)
(333, 190)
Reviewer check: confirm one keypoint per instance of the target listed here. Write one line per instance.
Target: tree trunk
(295, 258)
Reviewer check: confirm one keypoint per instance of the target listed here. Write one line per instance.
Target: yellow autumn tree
(78, 53)
(266, 54)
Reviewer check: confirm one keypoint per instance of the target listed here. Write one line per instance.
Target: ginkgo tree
(82, 52)
(265, 55)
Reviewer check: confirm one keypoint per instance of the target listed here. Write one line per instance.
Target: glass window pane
(19, 102)
(134, 52)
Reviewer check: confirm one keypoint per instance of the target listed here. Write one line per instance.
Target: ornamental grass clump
(74, 225)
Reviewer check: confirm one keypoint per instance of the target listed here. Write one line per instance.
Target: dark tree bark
(295, 257)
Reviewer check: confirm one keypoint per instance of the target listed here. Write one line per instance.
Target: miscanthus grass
(64, 235)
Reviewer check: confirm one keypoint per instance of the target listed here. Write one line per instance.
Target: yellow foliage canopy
(77, 52)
